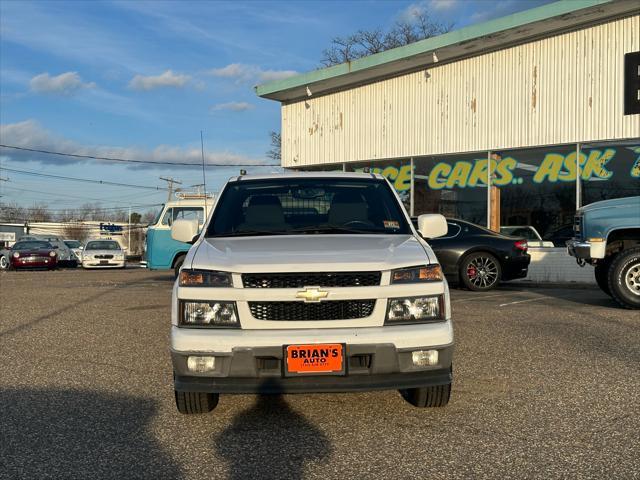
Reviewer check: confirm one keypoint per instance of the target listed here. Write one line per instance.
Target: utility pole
(2, 179)
(129, 233)
(170, 182)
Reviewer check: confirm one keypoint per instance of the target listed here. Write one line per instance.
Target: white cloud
(233, 106)
(426, 6)
(241, 72)
(442, 5)
(63, 84)
(30, 134)
(166, 79)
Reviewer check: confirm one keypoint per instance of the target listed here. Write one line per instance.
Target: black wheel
(480, 271)
(4, 263)
(624, 278)
(177, 265)
(428, 397)
(602, 276)
(196, 402)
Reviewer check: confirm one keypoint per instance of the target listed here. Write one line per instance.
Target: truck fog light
(424, 358)
(201, 364)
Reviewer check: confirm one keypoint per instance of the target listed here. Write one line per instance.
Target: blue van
(164, 253)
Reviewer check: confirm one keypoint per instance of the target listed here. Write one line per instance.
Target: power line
(57, 195)
(91, 209)
(129, 160)
(85, 180)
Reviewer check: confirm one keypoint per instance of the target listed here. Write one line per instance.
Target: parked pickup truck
(310, 282)
(607, 236)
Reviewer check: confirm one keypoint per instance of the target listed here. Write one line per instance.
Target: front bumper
(98, 264)
(583, 250)
(262, 370)
(25, 263)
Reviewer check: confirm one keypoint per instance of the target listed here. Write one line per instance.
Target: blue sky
(140, 80)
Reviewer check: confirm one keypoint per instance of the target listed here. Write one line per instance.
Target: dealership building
(515, 121)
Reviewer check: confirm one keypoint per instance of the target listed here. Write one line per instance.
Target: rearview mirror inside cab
(184, 230)
(432, 225)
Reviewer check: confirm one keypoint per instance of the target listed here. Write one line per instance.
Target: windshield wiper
(330, 229)
(247, 233)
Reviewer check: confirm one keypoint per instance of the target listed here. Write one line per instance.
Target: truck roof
(296, 174)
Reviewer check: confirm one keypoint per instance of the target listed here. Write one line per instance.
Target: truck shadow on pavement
(271, 441)
(49, 433)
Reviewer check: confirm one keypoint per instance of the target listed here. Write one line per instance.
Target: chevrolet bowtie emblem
(312, 294)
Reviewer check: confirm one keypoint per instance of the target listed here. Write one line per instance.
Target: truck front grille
(301, 311)
(316, 279)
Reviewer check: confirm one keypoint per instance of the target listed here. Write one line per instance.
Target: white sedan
(103, 254)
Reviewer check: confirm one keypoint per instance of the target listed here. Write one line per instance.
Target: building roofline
(520, 27)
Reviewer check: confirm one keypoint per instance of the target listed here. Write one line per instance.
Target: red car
(33, 254)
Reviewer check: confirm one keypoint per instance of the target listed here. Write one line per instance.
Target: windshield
(294, 206)
(156, 218)
(72, 243)
(32, 245)
(103, 245)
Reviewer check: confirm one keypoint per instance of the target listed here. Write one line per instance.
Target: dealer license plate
(319, 358)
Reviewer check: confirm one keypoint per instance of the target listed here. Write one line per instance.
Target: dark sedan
(478, 258)
(33, 254)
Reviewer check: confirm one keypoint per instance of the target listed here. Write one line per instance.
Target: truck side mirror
(184, 231)
(432, 225)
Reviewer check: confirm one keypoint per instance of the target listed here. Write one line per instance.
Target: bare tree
(39, 212)
(276, 146)
(148, 217)
(67, 215)
(367, 42)
(117, 216)
(75, 231)
(12, 212)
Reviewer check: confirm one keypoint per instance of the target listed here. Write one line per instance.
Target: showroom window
(537, 187)
(609, 171)
(398, 172)
(455, 186)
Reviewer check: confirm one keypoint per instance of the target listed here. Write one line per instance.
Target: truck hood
(310, 253)
(613, 203)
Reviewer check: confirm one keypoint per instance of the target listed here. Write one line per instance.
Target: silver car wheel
(632, 279)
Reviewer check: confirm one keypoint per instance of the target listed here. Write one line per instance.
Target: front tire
(190, 403)
(601, 272)
(480, 271)
(428, 397)
(4, 263)
(624, 278)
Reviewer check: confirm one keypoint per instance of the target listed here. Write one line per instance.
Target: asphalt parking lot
(547, 385)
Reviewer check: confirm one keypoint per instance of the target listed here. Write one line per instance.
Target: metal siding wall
(562, 89)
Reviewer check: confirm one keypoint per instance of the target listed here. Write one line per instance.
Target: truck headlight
(204, 278)
(415, 310)
(423, 273)
(209, 314)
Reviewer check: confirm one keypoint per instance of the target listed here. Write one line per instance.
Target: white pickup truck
(310, 282)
